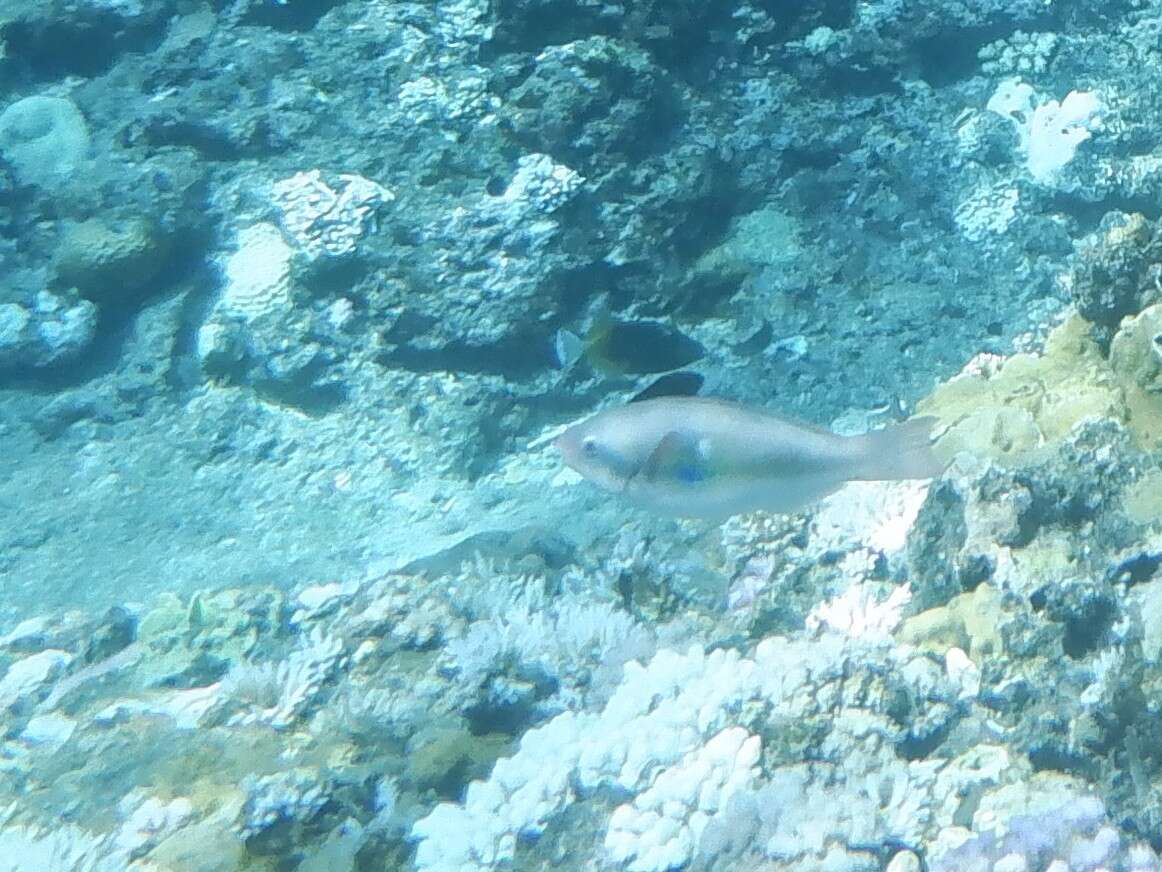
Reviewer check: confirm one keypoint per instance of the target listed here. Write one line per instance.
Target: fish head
(604, 451)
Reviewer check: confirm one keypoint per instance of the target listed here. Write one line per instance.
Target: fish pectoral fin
(676, 459)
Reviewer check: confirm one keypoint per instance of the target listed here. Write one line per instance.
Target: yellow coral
(1013, 409)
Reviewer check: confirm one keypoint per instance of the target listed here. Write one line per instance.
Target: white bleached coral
(1050, 822)
(876, 515)
(1049, 131)
(566, 639)
(325, 220)
(257, 277)
(658, 714)
(293, 795)
(541, 184)
(462, 98)
(659, 829)
(28, 849)
(1057, 129)
(1020, 52)
(150, 822)
(51, 330)
(858, 612)
(283, 691)
(987, 211)
(661, 714)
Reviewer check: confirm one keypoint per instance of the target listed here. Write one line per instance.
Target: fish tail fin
(901, 451)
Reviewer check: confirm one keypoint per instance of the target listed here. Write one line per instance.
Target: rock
(25, 677)
(167, 618)
(904, 861)
(200, 847)
(589, 100)
(221, 348)
(58, 414)
(935, 543)
(55, 330)
(116, 630)
(339, 851)
(65, 331)
(14, 326)
(28, 635)
(50, 731)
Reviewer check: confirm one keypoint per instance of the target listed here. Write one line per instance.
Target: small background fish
(627, 347)
(709, 458)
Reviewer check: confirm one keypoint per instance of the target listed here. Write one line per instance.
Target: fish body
(626, 348)
(709, 458)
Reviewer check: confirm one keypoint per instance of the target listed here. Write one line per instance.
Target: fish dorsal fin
(676, 459)
(682, 383)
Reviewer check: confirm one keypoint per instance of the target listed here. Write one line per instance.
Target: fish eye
(589, 446)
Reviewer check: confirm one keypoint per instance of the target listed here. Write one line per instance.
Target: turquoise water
(296, 298)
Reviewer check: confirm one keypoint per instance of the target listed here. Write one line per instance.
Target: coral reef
(292, 576)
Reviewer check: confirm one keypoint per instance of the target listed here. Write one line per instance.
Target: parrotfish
(708, 458)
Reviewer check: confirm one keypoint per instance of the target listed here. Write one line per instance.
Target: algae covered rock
(192, 644)
(969, 621)
(1116, 269)
(445, 758)
(766, 238)
(593, 97)
(111, 261)
(203, 847)
(935, 544)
